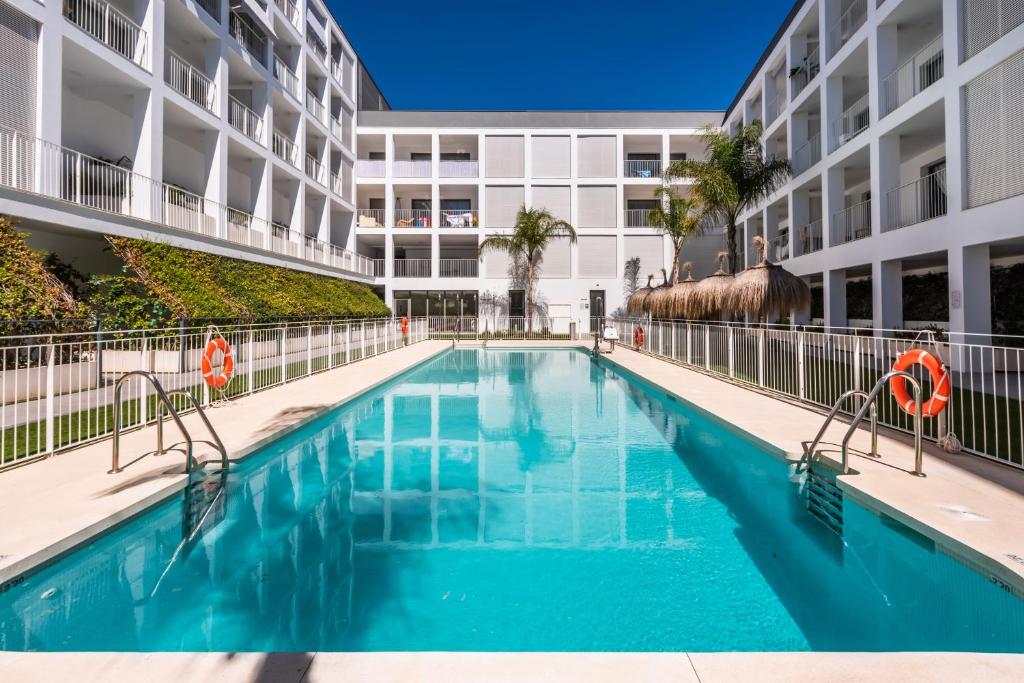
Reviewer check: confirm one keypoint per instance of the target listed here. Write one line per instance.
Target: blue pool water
(507, 500)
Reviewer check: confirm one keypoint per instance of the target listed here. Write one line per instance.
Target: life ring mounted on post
(405, 326)
(215, 343)
(638, 337)
(940, 381)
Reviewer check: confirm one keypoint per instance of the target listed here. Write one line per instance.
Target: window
(677, 156)
(376, 156)
(455, 156)
(456, 204)
(420, 156)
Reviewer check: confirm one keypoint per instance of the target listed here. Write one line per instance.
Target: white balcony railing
(251, 41)
(340, 187)
(211, 7)
(808, 68)
(316, 46)
(245, 120)
(846, 26)
(460, 218)
(807, 154)
(412, 218)
(336, 127)
(191, 82)
(286, 77)
(810, 237)
(850, 123)
(773, 107)
(370, 168)
(637, 218)
(370, 218)
(852, 223)
(917, 73)
(412, 267)
(315, 107)
(407, 168)
(459, 267)
(641, 168)
(291, 11)
(314, 169)
(917, 201)
(36, 167)
(468, 168)
(780, 247)
(111, 27)
(285, 148)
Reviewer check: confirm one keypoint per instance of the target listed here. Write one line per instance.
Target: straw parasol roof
(767, 289)
(637, 302)
(676, 302)
(709, 294)
(656, 302)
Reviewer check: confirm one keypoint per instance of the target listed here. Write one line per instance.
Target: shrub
(28, 291)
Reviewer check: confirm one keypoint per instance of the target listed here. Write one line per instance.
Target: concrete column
(887, 294)
(835, 298)
(799, 217)
(831, 202)
(970, 296)
(324, 228)
(263, 193)
(831, 109)
(885, 160)
(435, 254)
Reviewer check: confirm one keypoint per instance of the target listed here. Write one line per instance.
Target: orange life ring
(940, 380)
(218, 381)
(405, 326)
(638, 337)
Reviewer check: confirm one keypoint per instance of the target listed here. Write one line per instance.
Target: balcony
(463, 168)
(852, 223)
(412, 218)
(370, 218)
(806, 71)
(315, 107)
(411, 267)
(291, 11)
(316, 46)
(841, 32)
(340, 187)
(850, 123)
(285, 149)
(245, 120)
(917, 73)
(314, 169)
(772, 108)
(191, 82)
(469, 218)
(642, 168)
(251, 41)
(807, 155)
(185, 210)
(917, 201)
(378, 267)
(244, 228)
(111, 27)
(780, 247)
(459, 267)
(370, 168)
(286, 77)
(405, 168)
(811, 237)
(637, 218)
(211, 7)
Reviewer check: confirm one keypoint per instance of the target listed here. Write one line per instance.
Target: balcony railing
(370, 168)
(211, 7)
(251, 41)
(780, 247)
(31, 165)
(468, 168)
(810, 237)
(843, 30)
(637, 218)
(370, 218)
(806, 70)
(850, 123)
(378, 267)
(314, 169)
(291, 11)
(315, 107)
(316, 46)
(917, 73)
(191, 82)
(111, 27)
(917, 201)
(406, 168)
(807, 154)
(339, 186)
(411, 267)
(412, 218)
(336, 127)
(852, 223)
(245, 120)
(639, 168)
(285, 148)
(772, 108)
(286, 77)
(459, 267)
(458, 218)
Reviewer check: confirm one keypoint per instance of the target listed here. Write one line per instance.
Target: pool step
(824, 498)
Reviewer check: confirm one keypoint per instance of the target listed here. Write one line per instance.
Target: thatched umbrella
(637, 302)
(675, 301)
(767, 288)
(657, 300)
(709, 295)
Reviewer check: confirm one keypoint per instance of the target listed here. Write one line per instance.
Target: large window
(435, 302)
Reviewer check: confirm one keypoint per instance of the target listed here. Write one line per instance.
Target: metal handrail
(809, 452)
(202, 415)
(869, 403)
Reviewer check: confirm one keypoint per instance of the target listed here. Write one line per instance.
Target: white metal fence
(245, 120)
(286, 77)
(411, 168)
(642, 168)
(56, 391)
(807, 69)
(811, 237)
(840, 33)
(460, 218)
(110, 26)
(459, 267)
(913, 76)
(637, 218)
(411, 267)
(315, 107)
(851, 123)
(807, 154)
(190, 82)
(919, 200)
(250, 40)
(817, 366)
(370, 168)
(458, 168)
(285, 149)
(852, 223)
(290, 10)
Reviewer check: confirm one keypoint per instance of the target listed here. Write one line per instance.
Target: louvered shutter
(596, 207)
(554, 199)
(993, 125)
(505, 156)
(550, 156)
(649, 248)
(595, 256)
(986, 21)
(596, 156)
(555, 263)
(19, 38)
(502, 205)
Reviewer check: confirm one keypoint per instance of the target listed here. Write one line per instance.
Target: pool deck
(970, 506)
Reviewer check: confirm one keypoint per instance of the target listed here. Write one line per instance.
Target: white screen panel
(502, 204)
(496, 264)
(596, 156)
(554, 199)
(550, 156)
(556, 259)
(505, 156)
(596, 207)
(595, 256)
(993, 123)
(650, 250)
(19, 36)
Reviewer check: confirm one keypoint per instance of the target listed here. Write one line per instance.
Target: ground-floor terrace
(967, 507)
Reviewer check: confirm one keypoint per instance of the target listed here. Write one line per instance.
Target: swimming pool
(512, 500)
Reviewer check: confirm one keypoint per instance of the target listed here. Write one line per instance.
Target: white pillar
(835, 298)
(887, 294)
(970, 296)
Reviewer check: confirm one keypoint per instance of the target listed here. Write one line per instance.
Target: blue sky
(560, 54)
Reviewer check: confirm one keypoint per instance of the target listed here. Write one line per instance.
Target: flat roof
(539, 119)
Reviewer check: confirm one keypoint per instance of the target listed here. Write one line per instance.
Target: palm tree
(679, 218)
(734, 176)
(534, 230)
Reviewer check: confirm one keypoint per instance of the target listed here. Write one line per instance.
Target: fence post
(732, 352)
(250, 356)
(801, 381)
(50, 427)
(330, 346)
(689, 344)
(760, 356)
(707, 347)
(362, 340)
(672, 340)
(144, 386)
(284, 354)
(348, 343)
(309, 349)
(856, 363)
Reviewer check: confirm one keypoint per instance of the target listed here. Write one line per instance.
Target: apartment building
(254, 130)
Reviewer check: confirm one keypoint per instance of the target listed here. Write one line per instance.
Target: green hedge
(28, 290)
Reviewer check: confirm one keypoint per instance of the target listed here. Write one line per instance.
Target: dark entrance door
(516, 310)
(596, 310)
